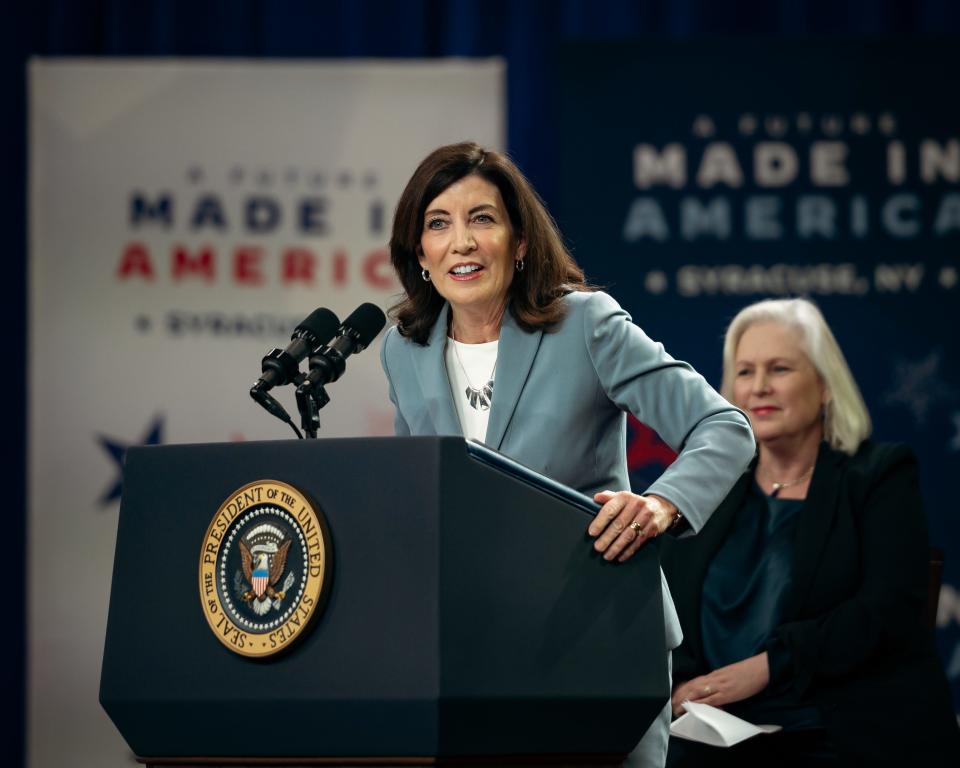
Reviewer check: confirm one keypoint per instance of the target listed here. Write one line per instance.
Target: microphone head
(365, 322)
(319, 327)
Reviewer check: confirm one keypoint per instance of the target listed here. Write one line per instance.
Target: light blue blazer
(559, 406)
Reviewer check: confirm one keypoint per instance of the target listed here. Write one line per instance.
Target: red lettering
(340, 268)
(135, 262)
(298, 265)
(377, 270)
(253, 265)
(186, 264)
(246, 265)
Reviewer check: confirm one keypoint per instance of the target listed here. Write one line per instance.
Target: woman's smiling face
(776, 384)
(468, 246)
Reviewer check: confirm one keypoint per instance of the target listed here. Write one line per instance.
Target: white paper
(713, 726)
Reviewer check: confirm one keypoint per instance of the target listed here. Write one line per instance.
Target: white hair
(846, 421)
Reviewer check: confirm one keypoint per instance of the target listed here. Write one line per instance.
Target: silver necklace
(478, 397)
(777, 487)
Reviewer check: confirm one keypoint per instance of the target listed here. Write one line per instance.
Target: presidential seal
(265, 568)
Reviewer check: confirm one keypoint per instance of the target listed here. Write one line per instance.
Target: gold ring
(707, 690)
(637, 528)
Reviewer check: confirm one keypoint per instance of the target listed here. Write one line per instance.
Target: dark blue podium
(468, 619)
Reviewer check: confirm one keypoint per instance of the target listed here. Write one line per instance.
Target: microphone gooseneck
(328, 363)
(282, 366)
(356, 333)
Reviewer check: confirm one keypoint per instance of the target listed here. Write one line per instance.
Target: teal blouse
(747, 587)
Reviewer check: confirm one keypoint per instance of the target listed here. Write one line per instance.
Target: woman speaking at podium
(499, 338)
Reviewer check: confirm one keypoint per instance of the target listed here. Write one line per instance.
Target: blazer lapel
(515, 355)
(815, 522)
(431, 371)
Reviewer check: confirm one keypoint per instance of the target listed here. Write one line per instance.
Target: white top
(470, 365)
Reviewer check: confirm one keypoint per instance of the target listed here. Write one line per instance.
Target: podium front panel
(467, 614)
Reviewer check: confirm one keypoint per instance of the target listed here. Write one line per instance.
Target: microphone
(356, 333)
(281, 366)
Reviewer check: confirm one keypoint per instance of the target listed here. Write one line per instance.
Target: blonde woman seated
(802, 599)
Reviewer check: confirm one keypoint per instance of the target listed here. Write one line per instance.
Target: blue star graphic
(118, 449)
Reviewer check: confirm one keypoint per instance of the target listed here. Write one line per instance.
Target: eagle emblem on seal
(263, 561)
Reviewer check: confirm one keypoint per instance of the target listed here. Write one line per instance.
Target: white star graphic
(948, 277)
(955, 442)
(918, 386)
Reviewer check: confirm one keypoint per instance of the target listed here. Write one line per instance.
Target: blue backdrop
(530, 35)
(694, 182)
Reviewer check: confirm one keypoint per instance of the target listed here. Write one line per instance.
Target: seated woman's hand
(734, 682)
(627, 521)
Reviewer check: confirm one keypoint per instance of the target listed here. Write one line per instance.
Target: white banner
(184, 216)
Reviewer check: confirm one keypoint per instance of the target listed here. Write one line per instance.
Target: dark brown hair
(549, 270)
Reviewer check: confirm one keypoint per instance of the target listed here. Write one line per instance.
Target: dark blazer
(855, 637)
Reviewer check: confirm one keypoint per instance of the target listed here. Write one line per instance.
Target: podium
(467, 618)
